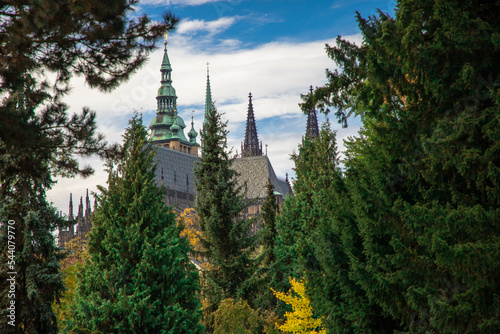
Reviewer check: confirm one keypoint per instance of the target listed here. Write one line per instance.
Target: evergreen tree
(139, 278)
(423, 175)
(262, 298)
(42, 45)
(289, 229)
(269, 211)
(219, 204)
(330, 236)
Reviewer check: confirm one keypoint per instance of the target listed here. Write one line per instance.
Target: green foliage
(38, 281)
(422, 179)
(139, 278)
(261, 280)
(75, 257)
(225, 236)
(237, 317)
(329, 239)
(42, 45)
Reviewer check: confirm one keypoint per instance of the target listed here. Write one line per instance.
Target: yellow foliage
(301, 319)
(192, 232)
(76, 255)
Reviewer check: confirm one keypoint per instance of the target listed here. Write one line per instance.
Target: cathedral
(176, 158)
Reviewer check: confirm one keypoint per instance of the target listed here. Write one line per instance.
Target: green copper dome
(167, 125)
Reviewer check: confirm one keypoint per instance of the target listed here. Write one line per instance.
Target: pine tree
(225, 236)
(423, 174)
(139, 278)
(43, 44)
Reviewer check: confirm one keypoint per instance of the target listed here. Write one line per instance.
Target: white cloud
(275, 73)
(178, 2)
(212, 27)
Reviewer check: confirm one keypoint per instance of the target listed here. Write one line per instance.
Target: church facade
(177, 156)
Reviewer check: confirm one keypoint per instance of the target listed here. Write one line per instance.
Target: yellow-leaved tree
(76, 255)
(191, 230)
(301, 320)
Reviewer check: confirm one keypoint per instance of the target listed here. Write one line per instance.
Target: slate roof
(177, 166)
(255, 171)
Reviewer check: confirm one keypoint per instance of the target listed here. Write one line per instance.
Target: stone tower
(167, 127)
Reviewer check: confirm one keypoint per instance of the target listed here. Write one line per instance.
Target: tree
(301, 320)
(235, 317)
(38, 140)
(75, 251)
(329, 240)
(262, 297)
(226, 237)
(139, 278)
(423, 174)
(189, 223)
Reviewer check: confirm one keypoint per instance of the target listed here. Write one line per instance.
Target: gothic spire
(312, 130)
(70, 206)
(251, 146)
(208, 96)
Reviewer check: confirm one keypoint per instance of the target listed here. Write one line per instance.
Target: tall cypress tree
(219, 204)
(139, 278)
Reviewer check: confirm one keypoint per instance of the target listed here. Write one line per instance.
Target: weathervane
(166, 36)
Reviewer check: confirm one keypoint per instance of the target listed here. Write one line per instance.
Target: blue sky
(272, 48)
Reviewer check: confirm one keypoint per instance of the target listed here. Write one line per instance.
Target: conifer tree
(43, 44)
(423, 174)
(329, 238)
(262, 278)
(139, 278)
(225, 235)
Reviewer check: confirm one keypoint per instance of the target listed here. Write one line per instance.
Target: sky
(274, 49)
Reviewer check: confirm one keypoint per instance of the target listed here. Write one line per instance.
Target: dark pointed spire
(72, 227)
(251, 146)
(208, 96)
(312, 130)
(80, 207)
(87, 204)
(70, 206)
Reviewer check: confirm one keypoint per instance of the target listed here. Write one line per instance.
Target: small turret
(192, 134)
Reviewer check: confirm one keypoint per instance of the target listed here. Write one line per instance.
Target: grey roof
(177, 168)
(255, 171)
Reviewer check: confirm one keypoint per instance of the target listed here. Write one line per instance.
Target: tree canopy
(43, 44)
(139, 278)
(422, 177)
